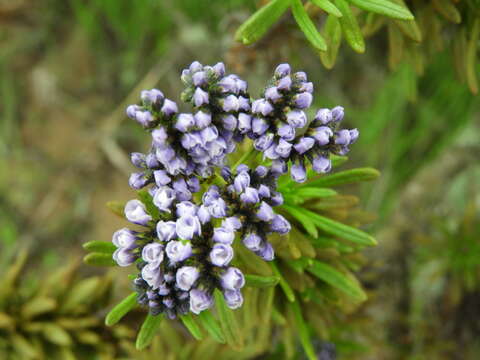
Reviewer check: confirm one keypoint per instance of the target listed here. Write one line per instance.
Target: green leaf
(228, 322)
(117, 208)
(306, 222)
(338, 160)
(471, 57)
(192, 326)
(328, 7)
(307, 26)
(303, 331)
(341, 230)
(448, 10)
(333, 34)
(384, 7)
(261, 281)
(350, 27)
(258, 24)
(105, 247)
(99, 259)
(147, 331)
(314, 192)
(210, 324)
(121, 309)
(287, 290)
(344, 177)
(147, 199)
(336, 279)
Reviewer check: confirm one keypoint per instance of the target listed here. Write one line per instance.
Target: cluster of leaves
(412, 39)
(300, 293)
(52, 314)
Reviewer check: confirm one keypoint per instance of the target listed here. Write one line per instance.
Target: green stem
(245, 157)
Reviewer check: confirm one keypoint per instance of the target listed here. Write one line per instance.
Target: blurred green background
(69, 68)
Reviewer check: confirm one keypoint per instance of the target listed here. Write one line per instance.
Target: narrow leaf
(471, 57)
(210, 324)
(99, 259)
(147, 199)
(350, 27)
(117, 208)
(328, 7)
(192, 326)
(336, 279)
(448, 10)
(303, 331)
(147, 331)
(261, 281)
(333, 34)
(121, 309)
(228, 322)
(106, 247)
(314, 192)
(306, 222)
(344, 177)
(384, 7)
(307, 26)
(341, 230)
(258, 24)
(287, 290)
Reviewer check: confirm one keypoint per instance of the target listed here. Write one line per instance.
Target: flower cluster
(185, 250)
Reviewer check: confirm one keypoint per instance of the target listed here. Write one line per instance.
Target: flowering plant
(198, 212)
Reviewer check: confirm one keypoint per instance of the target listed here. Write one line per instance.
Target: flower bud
(136, 212)
(232, 279)
(297, 118)
(304, 144)
(177, 251)
(221, 254)
(233, 298)
(199, 301)
(186, 277)
(166, 230)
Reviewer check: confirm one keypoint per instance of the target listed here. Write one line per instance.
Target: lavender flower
(200, 301)
(232, 279)
(221, 254)
(186, 277)
(136, 213)
(177, 251)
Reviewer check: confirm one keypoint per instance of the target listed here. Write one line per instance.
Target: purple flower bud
(138, 159)
(169, 303)
(163, 289)
(298, 173)
(321, 164)
(304, 144)
(219, 69)
(223, 235)
(264, 191)
(307, 87)
(124, 238)
(151, 161)
(276, 199)
(283, 148)
(284, 83)
(153, 96)
(184, 122)
(263, 142)
(297, 118)
(123, 257)
(132, 111)
(265, 212)
(230, 103)
(166, 230)
(153, 253)
(271, 153)
(209, 134)
(177, 251)
(232, 279)
(241, 168)
(286, 132)
(259, 126)
(163, 198)
(337, 113)
(186, 277)
(228, 84)
(186, 208)
(243, 103)
(252, 241)
(226, 173)
(200, 301)
(322, 134)
(199, 78)
(188, 226)
(324, 116)
(221, 254)
(232, 223)
(200, 97)
(272, 94)
(229, 122)
(303, 100)
(244, 123)
(194, 67)
(241, 85)
(342, 137)
(354, 135)
(242, 180)
(138, 180)
(145, 118)
(300, 76)
(202, 119)
(203, 214)
(250, 196)
(266, 252)
(262, 106)
(169, 108)
(161, 177)
(159, 136)
(233, 298)
(152, 275)
(136, 212)
(282, 70)
(279, 167)
(176, 165)
(164, 154)
(261, 171)
(193, 184)
(280, 225)
(218, 208)
(210, 195)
